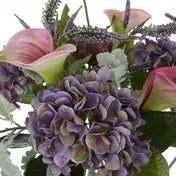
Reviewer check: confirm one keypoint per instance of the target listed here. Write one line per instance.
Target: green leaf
(20, 141)
(160, 128)
(27, 97)
(35, 167)
(78, 66)
(2, 173)
(30, 155)
(117, 26)
(62, 23)
(157, 166)
(138, 80)
(129, 51)
(77, 171)
(5, 163)
(5, 109)
(34, 76)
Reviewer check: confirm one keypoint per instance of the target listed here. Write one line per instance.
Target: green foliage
(157, 166)
(62, 24)
(35, 167)
(19, 141)
(77, 171)
(118, 26)
(6, 109)
(78, 66)
(33, 75)
(5, 163)
(27, 97)
(30, 155)
(129, 51)
(160, 128)
(138, 80)
(37, 84)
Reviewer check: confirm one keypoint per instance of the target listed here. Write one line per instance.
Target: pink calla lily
(137, 16)
(33, 49)
(159, 91)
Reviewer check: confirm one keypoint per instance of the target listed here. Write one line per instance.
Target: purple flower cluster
(13, 82)
(90, 121)
(153, 54)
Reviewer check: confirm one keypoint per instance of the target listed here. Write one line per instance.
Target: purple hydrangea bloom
(90, 121)
(151, 54)
(14, 83)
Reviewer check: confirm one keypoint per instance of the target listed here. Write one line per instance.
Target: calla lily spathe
(33, 49)
(137, 16)
(159, 91)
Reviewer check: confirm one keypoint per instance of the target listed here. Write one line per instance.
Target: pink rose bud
(159, 91)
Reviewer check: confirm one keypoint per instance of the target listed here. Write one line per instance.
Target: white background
(30, 11)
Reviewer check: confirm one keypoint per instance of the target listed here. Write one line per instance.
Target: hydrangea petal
(114, 163)
(53, 170)
(121, 172)
(61, 159)
(80, 153)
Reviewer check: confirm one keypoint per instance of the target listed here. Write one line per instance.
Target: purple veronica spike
(89, 121)
(127, 14)
(70, 24)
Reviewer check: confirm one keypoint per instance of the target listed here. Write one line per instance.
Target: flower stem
(13, 129)
(86, 12)
(18, 125)
(172, 163)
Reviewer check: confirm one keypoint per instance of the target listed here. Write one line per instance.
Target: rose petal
(159, 90)
(28, 45)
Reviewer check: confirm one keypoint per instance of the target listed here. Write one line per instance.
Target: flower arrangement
(98, 95)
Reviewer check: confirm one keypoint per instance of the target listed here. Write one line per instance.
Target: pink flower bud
(159, 91)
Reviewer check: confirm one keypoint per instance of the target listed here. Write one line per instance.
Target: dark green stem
(172, 163)
(12, 129)
(86, 12)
